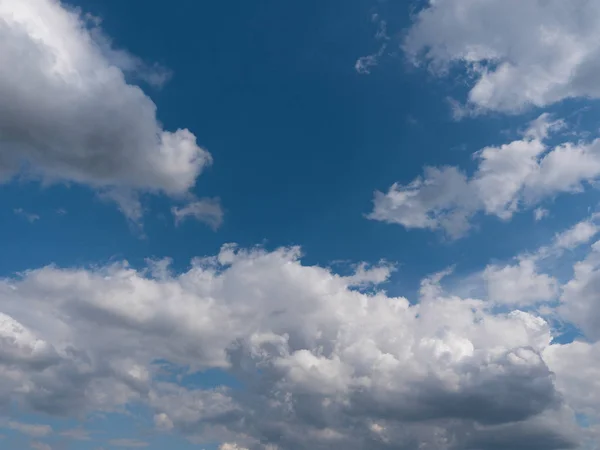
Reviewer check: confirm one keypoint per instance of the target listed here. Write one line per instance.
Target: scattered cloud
(33, 430)
(540, 214)
(517, 54)
(364, 64)
(580, 233)
(207, 210)
(29, 217)
(508, 178)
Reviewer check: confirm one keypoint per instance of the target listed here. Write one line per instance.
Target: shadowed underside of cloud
(68, 113)
(322, 364)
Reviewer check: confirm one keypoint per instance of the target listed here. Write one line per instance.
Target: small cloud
(207, 210)
(77, 434)
(128, 443)
(61, 212)
(29, 429)
(30, 217)
(411, 120)
(163, 422)
(40, 446)
(365, 63)
(540, 213)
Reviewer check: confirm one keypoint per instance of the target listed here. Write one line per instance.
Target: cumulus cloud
(322, 364)
(69, 114)
(518, 54)
(580, 233)
(508, 178)
(580, 295)
(519, 284)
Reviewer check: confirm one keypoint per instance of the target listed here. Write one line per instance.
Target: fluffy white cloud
(322, 364)
(68, 113)
(508, 178)
(519, 284)
(519, 53)
(580, 233)
(580, 303)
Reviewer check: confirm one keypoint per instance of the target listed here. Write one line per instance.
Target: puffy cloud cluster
(508, 178)
(322, 364)
(518, 53)
(68, 113)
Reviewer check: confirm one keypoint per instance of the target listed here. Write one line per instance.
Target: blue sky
(351, 153)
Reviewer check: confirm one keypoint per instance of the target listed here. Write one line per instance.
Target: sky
(266, 225)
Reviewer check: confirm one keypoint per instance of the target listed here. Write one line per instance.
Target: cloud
(581, 386)
(36, 445)
(207, 210)
(70, 115)
(519, 284)
(33, 430)
(77, 434)
(508, 178)
(580, 233)
(580, 295)
(518, 54)
(540, 213)
(128, 443)
(364, 64)
(228, 446)
(322, 364)
(29, 217)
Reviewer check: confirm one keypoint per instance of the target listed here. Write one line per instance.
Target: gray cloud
(69, 115)
(321, 364)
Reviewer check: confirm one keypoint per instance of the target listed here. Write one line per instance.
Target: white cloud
(540, 213)
(508, 178)
(207, 210)
(580, 233)
(580, 295)
(519, 284)
(518, 53)
(69, 115)
(320, 361)
(228, 446)
(364, 64)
